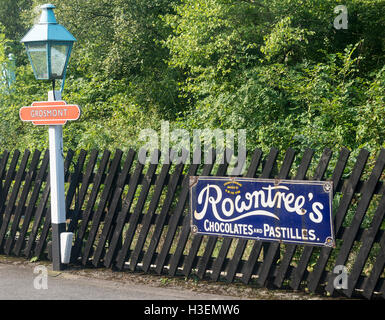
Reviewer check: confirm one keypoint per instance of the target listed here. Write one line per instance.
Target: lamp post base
(57, 229)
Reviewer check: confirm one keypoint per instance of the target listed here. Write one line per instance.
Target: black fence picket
(125, 252)
(133, 216)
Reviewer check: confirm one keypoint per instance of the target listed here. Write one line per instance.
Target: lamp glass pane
(38, 55)
(58, 59)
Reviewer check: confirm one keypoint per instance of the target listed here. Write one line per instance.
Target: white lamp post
(49, 46)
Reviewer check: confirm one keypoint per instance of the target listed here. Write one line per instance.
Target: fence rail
(126, 215)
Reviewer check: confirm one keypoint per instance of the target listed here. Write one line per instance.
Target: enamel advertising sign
(290, 211)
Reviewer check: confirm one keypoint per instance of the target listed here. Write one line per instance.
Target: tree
(11, 18)
(277, 68)
(288, 84)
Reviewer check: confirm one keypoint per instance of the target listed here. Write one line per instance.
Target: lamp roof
(48, 29)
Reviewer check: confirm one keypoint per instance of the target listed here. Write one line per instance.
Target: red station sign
(49, 113)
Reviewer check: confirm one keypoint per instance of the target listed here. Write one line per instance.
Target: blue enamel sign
(291, 211)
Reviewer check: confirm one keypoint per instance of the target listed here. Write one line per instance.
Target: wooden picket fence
(130, 216)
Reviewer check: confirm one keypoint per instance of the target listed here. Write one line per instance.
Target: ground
(168, 288)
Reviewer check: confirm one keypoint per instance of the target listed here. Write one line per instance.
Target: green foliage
(276, 68)
(34, 259)
(212, 40)
(293, 89)
(371, 114)
(285, 41)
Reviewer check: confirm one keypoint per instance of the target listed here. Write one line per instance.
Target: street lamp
(49, 46)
